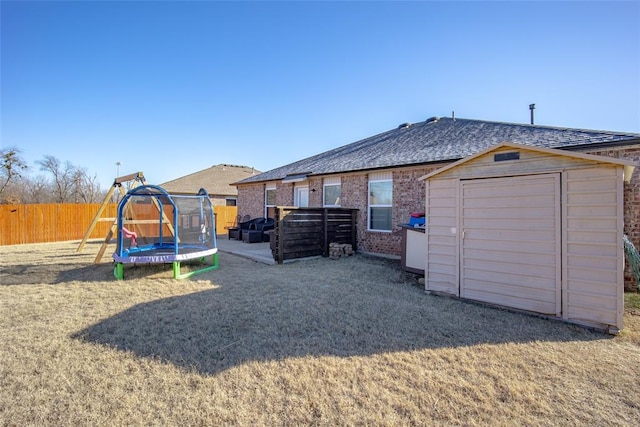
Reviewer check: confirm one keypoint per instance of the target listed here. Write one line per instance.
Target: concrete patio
(260, 252)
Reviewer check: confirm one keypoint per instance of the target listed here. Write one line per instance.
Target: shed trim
(628, 165)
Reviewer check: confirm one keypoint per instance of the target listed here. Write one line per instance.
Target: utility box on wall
(530, 228)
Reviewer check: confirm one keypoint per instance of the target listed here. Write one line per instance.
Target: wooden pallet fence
(305, 232)
(50, 222)
(57, 222)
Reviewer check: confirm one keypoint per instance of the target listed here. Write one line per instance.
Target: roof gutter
(295, 177)
(633, 141)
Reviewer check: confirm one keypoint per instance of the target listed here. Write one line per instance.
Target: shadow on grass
(52, 265)
(357, 309)
(54, 274)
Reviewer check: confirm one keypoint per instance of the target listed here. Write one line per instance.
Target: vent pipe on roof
(532, 107)
(453, 115)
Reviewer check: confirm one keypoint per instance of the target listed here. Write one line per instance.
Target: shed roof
(628, 165)
(438, 140)
(217, 180)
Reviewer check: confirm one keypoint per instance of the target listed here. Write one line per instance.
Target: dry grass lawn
(318, 342)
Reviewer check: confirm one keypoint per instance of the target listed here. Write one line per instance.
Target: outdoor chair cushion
(252, 224)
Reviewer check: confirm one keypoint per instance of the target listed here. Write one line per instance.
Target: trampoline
(155, 227)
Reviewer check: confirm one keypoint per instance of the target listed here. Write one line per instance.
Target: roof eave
(605, 144)
(350, 171)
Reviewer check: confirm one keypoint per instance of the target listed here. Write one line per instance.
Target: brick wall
(315, 191)
(354, 195)
(409, 196)
(251, 200)
(284, 194)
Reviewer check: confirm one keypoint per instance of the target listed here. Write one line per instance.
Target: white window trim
(369, 205)
(331, 182)
(266, 206)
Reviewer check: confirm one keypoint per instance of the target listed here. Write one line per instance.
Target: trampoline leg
(176, 270)
(118, 271)
(178, 275)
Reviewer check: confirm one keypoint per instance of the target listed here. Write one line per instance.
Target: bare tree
(86, 188)
(61, 182)
(64, 176)
(11, 166)
(18, 191)
(38, 190)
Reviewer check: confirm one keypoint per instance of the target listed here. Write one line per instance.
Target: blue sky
(170, 88)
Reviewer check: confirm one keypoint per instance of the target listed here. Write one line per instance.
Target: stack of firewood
(339, 250)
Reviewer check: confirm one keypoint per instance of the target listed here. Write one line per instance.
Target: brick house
(380, 175)
(218, 180)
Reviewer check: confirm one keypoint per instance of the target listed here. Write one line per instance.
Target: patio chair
(269, 224)
(235, 232)
(257, 231)
(235, 223)
(246, 226)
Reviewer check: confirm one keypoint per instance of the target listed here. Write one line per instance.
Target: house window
(270, 201)
(380, 201)
(231, 202)
(331, 192)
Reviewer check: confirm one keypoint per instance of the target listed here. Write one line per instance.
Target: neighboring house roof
(438, 140)
(216, 180)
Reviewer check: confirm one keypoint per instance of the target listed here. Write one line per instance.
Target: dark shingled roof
(438, 140)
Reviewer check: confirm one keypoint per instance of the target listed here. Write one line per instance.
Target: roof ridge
(219, 170)
(528, 125)
(233, 166)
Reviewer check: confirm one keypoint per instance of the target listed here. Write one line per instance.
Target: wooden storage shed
(530, 228)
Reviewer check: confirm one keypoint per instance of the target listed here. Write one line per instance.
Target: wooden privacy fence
(225, 217)
(304, 232)
(50, 222)
(56, 222)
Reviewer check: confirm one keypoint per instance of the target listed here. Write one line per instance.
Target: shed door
(510, 242)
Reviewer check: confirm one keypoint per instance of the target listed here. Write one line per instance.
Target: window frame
(371, 206)
(331, 183)
(267, 188)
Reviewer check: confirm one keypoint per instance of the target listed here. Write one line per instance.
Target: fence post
(325, 233)
(354, 229)
(279, 236)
